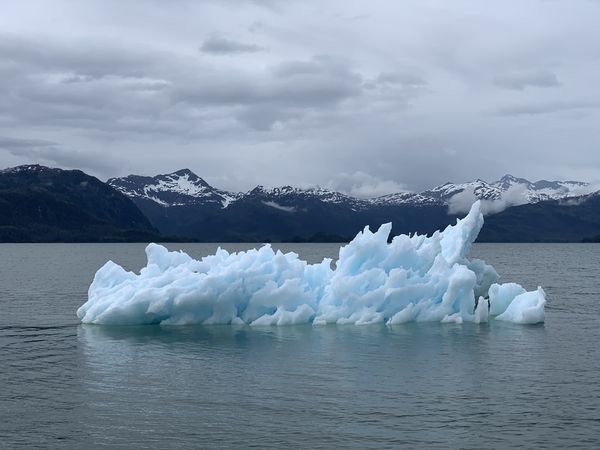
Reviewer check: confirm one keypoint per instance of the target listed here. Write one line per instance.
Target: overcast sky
(367, 97)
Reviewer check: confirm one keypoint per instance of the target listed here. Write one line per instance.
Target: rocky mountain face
(183, 204)
(40, 204)
(529, 192)
(186, 188)
(175, 189)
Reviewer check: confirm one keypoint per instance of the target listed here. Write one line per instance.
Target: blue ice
(413, 278)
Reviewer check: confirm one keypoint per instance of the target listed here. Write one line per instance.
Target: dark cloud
(520, 80)
(223, 46)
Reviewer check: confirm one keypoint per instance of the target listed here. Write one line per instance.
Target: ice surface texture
(413, 278)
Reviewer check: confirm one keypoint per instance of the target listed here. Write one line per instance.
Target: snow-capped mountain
(482, 190)
(286, 197)
(543, 189)
(184, 187)
(525, 190)
(29, 169)
(179, 188)
(182, 205)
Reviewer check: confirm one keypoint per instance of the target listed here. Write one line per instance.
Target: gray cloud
(223, 46)
(288, 90)
(48, 152)
(92, 60)
(523, 79)
(403, 95)
(17, 145)
(406, 78)
(62, 90)
(548, 107)
(291, 83)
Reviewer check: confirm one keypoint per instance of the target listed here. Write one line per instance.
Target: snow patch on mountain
(292, 196)
(29, 168)
(183, 188)
(509, 191)
(179, 188)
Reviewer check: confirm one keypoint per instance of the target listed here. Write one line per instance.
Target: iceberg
(412, 278)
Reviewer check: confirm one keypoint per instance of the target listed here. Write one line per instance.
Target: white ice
(413, 278)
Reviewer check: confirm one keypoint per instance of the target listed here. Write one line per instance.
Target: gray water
(497, 385)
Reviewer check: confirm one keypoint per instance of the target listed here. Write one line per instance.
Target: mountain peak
(185, 179)
(179, 188)
(184, 172)
(28, 168)
(508, 178)
(183, 187)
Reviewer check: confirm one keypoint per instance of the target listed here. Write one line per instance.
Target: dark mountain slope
(183, 204)
(40, 204)
(569, 220)
(251, 220)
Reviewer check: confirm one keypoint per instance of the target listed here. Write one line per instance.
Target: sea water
(67, 385)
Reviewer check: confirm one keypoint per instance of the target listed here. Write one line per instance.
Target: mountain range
(41, 204)
(183, 204)
(185, 188)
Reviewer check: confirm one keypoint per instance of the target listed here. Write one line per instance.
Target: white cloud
(276, 205)
(362, 185)
(461, 202)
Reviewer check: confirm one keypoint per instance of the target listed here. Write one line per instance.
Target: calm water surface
(497, 385)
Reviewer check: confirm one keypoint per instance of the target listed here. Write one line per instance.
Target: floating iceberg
(413, 278)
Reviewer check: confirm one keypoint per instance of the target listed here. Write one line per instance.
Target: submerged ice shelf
(413, 278)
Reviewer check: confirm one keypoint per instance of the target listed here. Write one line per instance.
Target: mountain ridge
(287, 213)
(184, 187)
(42, 204)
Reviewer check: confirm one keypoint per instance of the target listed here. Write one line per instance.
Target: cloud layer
(367, 98)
